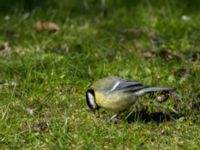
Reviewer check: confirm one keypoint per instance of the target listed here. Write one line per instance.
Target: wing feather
(129, 86)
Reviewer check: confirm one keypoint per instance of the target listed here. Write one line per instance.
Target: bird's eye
(90, 98)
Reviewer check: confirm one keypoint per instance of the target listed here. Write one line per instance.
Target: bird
(116, 94)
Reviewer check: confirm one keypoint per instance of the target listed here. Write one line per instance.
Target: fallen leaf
(46, 26)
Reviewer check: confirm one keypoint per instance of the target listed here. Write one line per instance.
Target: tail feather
(153, 89)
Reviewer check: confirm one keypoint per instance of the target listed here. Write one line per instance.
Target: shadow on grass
(158, 117)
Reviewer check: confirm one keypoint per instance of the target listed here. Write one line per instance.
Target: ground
(45, 71)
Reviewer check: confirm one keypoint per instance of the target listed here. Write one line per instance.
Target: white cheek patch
(92, 100)
(115, 86)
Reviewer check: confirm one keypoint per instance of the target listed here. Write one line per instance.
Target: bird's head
(91, 100)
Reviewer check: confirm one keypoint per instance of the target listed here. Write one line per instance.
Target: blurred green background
(51, 51)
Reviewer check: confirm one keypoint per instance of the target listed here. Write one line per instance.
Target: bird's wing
(114, 84)
(127, 86)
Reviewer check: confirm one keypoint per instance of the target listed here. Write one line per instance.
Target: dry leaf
(46, 26)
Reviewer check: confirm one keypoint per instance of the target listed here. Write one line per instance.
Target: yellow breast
(116, 101)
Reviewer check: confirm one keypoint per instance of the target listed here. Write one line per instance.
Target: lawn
(45, 71)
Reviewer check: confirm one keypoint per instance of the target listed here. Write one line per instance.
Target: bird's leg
(128, 115)
(115, 118)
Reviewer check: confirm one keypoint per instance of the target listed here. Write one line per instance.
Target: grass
(44, 75)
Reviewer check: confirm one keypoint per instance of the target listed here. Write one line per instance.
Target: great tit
(116, 94)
